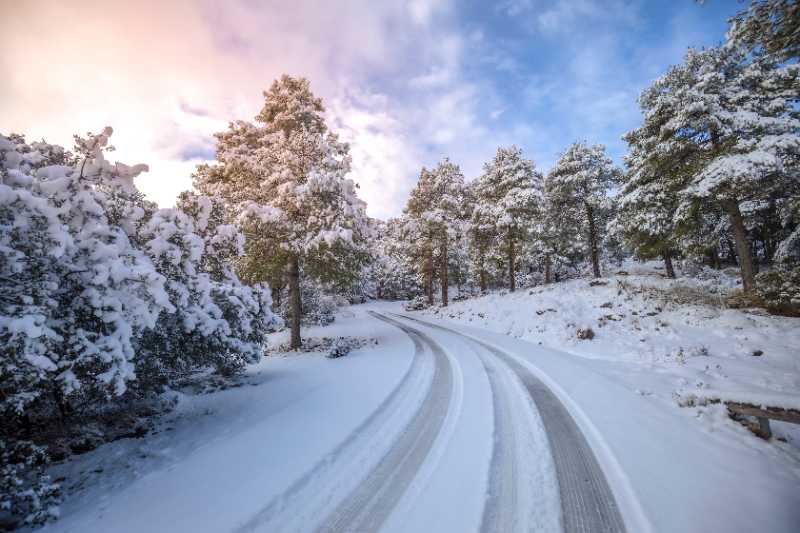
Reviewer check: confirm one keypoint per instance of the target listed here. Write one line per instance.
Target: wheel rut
(587, 503)
(369, 503)
(367, 507)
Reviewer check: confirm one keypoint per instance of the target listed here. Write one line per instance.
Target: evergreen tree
(722, 128)
(646, 205)
(771, 27)
(578, 186)
(436, 208)
(506, 201)
(285, 181)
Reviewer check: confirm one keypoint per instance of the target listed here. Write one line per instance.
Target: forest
(108, 300)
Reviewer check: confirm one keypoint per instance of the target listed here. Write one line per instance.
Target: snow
(220, 458)
(650, 323)
(279, 452)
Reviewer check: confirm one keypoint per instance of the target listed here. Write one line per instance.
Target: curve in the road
(587, 503)
(277, 514)
(370, 503)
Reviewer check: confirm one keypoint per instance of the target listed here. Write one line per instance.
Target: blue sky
(406, 83)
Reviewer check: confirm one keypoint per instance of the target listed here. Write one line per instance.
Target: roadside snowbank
(678, 329)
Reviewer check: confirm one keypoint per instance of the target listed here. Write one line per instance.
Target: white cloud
(166, 83)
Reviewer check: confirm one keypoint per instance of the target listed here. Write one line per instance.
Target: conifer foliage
(578, 185)
(437, 212)
(721, 129)
(284, 179)
(506, 199)
(103, 296)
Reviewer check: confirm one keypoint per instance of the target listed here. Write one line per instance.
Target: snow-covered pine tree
(579, 184)
(285, 180)
(722, 128)
(436, 206)
(74, 295)
(419, 235)
(771, 27)
(558, 245)
(646, 205)
(391, 274)
(481, 236)
(506, 196)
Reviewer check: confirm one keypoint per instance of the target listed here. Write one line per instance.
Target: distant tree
(391, 272)
(579, 184)
(505, 204)
(436, 209)
(285, 181)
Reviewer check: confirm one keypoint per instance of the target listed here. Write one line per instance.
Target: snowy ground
(309, 443)
(649, 325)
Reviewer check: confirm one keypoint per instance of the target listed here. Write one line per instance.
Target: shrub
(780, 291)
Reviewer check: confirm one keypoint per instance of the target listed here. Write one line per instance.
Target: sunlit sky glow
(406, 83)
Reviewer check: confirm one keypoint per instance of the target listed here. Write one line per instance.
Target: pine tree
(285, 180)
(436, 208)
(722, 128)
(578, 184)
(771, 27)
(646, 204)
(391, 274)
(506, 201)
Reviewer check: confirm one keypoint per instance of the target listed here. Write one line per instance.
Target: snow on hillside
(674, 335)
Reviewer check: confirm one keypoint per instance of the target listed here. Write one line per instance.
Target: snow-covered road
(437, 428)
(587, 503)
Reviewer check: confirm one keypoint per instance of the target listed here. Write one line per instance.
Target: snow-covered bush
(418, 303)
(780, 290)
(76, 291)
(100, 290)
(318, 305)
(26, 493)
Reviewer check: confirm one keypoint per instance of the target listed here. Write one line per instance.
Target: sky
(405, 83)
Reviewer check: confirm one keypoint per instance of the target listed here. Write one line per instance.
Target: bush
(26, 493)
(417, 304)
(103, 298)
(780, 291)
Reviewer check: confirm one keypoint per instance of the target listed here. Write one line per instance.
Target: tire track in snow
(318, 486)
(502, 511)
(367, 507)
(587, 503)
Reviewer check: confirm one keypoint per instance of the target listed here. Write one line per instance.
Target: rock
(596, 282)
(585, 334)
(758, 353)
(607, 305)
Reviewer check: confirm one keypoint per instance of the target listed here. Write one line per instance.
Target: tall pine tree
(285, 179)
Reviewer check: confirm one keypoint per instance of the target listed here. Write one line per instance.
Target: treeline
(107, 300)
(711, 175)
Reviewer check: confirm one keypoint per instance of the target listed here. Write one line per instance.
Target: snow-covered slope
(678, 329)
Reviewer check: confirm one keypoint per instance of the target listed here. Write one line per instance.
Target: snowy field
(286, 449)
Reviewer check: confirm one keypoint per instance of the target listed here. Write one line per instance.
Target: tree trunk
(429, 276)
(443, 272)
(667, 254)
(275, 292)
(593, 240)
(294, 299)
(742, 246)
(714, 258)
(512, 277)
(483, 279)
(548, 272)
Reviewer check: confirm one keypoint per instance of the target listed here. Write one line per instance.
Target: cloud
(406, 83)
